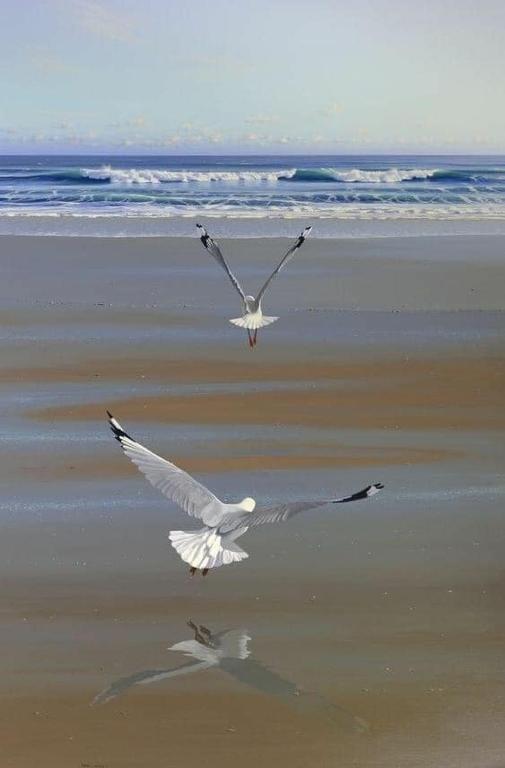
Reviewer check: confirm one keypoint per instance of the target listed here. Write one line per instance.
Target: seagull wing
(287, 257)
(215, 251)
(146, 677)
(257, 675)
(173, 482)
(282, 512)
(253, 673)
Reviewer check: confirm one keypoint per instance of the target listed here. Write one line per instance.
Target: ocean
(252, 196)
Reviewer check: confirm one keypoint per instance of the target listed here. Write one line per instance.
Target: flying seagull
(253, 317)
(214, 544)
(229, 651)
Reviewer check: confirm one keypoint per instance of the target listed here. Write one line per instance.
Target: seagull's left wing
(282, 512)
(212, 247)
(258, 676)
(287, 257)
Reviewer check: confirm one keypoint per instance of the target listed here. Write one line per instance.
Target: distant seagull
(229, 651)
(253, 317)
(214, 544)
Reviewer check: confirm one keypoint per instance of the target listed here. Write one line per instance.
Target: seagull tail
(252, 323)
(205, 548)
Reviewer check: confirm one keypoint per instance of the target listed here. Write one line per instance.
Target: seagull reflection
(229, 651)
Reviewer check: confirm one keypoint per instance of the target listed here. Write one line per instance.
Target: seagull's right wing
(215, 251)
(146, 677)
(287, 257)
(282, 512)
(173, 482)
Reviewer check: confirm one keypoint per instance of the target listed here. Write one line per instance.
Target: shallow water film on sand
(367, 634)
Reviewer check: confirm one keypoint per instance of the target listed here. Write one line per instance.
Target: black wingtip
(116, 429)
(204, 235)
(303, 236)
(365, 493)
(371, 490)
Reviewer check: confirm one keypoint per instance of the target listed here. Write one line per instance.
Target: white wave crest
(352, 212)
(148, 176)
(389, 176)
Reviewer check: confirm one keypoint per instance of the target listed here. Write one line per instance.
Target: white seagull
(229, 651)
(253, 317)
(205, 648)
(214, 544)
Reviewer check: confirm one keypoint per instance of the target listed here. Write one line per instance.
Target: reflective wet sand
(375, 633)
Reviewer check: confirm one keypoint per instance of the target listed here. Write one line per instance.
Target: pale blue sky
(252, 75)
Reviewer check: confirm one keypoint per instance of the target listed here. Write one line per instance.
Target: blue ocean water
(101, 195)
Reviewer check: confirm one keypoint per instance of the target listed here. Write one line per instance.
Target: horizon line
(103, 153)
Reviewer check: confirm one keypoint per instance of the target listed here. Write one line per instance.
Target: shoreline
(236, 228)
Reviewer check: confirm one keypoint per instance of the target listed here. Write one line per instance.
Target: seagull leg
(205, 572)
(254, 337)
(251, 342)
(192, 571)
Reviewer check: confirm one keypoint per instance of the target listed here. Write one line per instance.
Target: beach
(383, 619)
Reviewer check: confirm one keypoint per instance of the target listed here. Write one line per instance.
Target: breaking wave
(148, 176)
(107, 174)
(357, 176)
(354, 175)
(344, 189)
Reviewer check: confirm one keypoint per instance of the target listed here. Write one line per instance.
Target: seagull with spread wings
(253, 317)
(228, 650)
(214, 544)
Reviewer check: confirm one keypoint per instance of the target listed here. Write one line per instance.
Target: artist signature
(92, 765)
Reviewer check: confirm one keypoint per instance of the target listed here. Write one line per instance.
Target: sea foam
(358, 176)
(353, 175)
(148, 176)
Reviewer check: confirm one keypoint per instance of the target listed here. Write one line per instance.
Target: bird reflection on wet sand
(229, 651)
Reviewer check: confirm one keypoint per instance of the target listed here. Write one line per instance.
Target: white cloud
(48, 63)
(137, 121)
(102, 20)
(213, 68)
(332, 109)
(262, 120)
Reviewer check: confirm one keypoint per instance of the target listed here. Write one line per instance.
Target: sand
(383, 622)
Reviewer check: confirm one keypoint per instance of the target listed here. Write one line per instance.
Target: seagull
(253, 317)
(229, 651)
(213, 545)
(205, 649)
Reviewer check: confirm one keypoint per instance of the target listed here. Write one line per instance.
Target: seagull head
(247, 504)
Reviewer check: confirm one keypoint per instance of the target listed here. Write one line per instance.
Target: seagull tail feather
(252, 323)
(205, 548)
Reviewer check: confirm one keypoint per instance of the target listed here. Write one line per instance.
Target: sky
(252, 76)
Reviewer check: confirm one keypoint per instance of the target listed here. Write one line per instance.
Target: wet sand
(376, 633)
